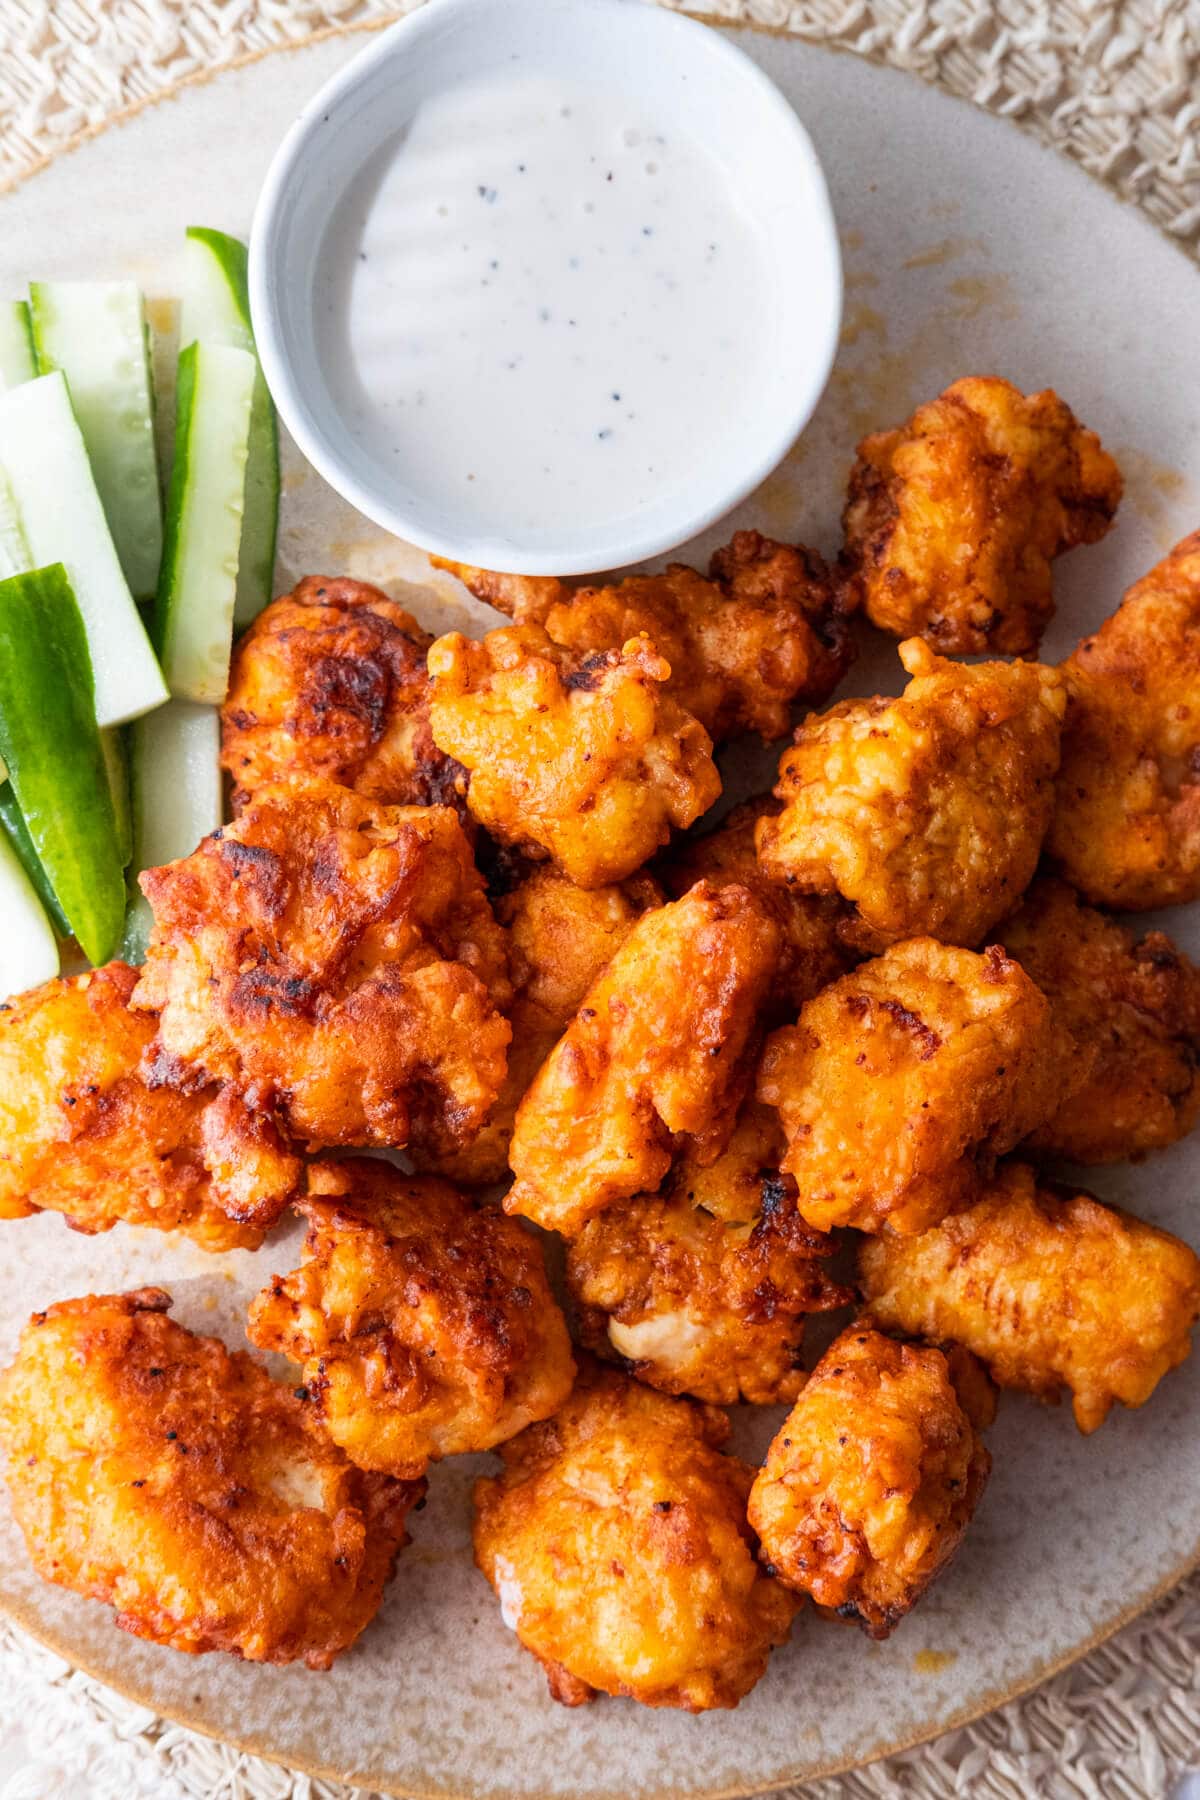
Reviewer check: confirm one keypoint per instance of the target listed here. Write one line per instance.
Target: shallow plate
(968, 249)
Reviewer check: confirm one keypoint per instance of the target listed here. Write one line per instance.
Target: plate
(968, 249)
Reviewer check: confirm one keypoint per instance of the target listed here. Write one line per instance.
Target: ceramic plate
(968, 249)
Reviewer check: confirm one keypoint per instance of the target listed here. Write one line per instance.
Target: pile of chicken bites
(857, 1020)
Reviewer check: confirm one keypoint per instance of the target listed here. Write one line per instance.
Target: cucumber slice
(177, 798)
(12, 819)
(28, 948)
(51, 748)
(94, 331)
(16, 344)
(216, 310)
(194, 613)
(42, 453)
(116, 767)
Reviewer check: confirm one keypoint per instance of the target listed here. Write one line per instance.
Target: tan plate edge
(839, 1766)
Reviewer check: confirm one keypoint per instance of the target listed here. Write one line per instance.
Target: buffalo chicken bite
(694, 1304)
(900, 1085)
(1126, 828)
(333, 959)
(156, 1471)
(953, 520)
(927, 811)
(1049, 1288)
(585, 759)
(617, 1543)
(872, 1479)
(330, 684)
(1132, 1006)
(89, 1129)
(654, 1064)
(423, 1319)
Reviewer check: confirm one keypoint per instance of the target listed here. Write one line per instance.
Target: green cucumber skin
(115, 410)
(51, 746)
(139, 923)
(17, 360)
(260, 521)
(115, 745)
(195, 656)
(17, 832)
(185, 392)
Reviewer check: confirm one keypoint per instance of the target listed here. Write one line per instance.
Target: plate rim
(16, 1613)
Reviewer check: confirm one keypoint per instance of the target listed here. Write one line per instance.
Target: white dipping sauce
(541, 304)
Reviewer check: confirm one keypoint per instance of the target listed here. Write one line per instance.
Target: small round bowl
(691, 76)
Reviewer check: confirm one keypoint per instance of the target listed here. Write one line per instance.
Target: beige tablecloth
(1114, 84)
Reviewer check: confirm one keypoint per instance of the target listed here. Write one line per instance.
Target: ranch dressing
(543, 304)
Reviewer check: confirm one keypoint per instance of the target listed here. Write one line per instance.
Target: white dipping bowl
(688, 75)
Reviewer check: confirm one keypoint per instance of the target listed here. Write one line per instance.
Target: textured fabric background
(1114, 84)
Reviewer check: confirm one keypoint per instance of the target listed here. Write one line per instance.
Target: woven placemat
(1115, 84)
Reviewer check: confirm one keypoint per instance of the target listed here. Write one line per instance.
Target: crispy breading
(696, 1305)
(762, 631)
(927, 811)
(88, 1131)
(153, 1470)
(900, 1085)
(336, 959)
(616, 1541)
(423, 1319)
(585, 758)
(813, 951)
(1133, 1007)
(561, 938)
(953, 519)
(735, 1186)
(1126, 827)
(654, 1064)
(330, 684)
(871, 1481)
(1049, 1288)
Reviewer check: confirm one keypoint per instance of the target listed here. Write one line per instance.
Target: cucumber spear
(50, 743)
(216, 310)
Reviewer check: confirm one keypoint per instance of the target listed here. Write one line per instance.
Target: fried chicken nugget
(1049, 1288)
(654, 1064)
(330, 684)
(1126, 827)
(153, 1470)
(763, 631)
(1133, 1007)
(561, 938)
(953, 519)
(423, 1319)
(617, 1543)
(587, 759)
(335, 959)
(872, 1479)
(927, 811)
(696, 1303)
(88, 1130)
(813, 952)
(900, 1085)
